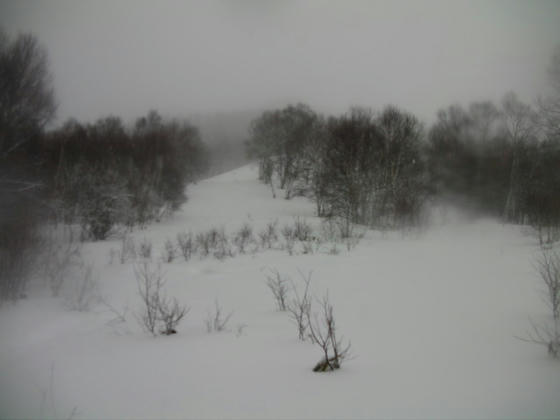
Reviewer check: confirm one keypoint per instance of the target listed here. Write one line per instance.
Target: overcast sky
(126, 57)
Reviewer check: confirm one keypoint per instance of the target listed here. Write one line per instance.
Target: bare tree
(520, 121)
(545, 335)
(150, 282)
(279, 288)
(548, 267)
(322, 330)
(26, 94)
(26, 106)
(549, 107)
(300, 306)
(157, 308)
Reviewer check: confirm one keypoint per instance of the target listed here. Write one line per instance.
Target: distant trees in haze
(365, 167)
(379, 168)
(105, 174)
(280, 140)
(360, 167)
(97, 175)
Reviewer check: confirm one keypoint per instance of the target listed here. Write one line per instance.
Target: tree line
(379, 168)
(372, 168)
(105, 174)
(97, 175)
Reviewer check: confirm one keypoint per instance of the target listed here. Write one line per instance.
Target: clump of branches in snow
(547, 266)
(278, 285)
(300, 306)
(159, 313)
(322, 330)
(319, 327)
(216, 321)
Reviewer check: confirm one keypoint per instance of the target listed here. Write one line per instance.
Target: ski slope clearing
(431, 316)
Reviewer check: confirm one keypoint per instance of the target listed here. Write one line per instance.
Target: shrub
(290, 239)
(222, 246)
(169, 251)
(300, 306)
(546, 335)
(145, 249)
(302, 230)
(150, 283)
(548, 267)
(322, 330)
(170, 314)
(158, 310)
(207, 241)
(215, 321)
(103, 201)
(186, 244)
(279, 288)
(243, 237)
(268, 236)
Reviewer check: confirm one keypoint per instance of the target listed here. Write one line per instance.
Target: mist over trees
(105, 174)
(98, 175)
(224, 135)
(378, 169)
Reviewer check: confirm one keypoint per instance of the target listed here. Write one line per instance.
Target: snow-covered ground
(431, 316)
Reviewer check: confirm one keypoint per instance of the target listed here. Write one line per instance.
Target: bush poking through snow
(279, 288)
(157, 309)
(222, 246)
(169, 251)
(302, 230)
(208, 241)
(322, 331)
(215, 321)
(289, 237)
(548, 267)
(145, 249)
(300, 306)
(308, 247)
(545, 335)
(243, 237)
(170, 314)
(269, 235)
(186, 244)
(150, 283)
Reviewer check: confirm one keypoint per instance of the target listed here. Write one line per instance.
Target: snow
(431, 315)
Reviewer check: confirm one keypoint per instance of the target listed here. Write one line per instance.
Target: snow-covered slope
(431, 316)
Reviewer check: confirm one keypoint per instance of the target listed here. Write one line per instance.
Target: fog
(185, 58)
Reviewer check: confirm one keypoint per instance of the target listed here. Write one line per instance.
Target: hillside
(432, 317)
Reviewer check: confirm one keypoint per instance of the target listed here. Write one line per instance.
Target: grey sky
(126, 57)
